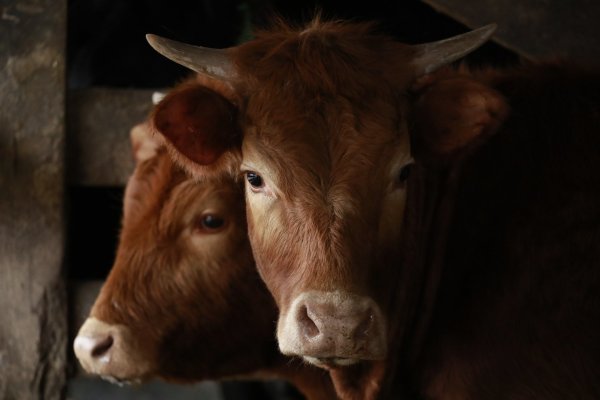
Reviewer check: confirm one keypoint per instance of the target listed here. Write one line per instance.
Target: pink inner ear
(200, 123)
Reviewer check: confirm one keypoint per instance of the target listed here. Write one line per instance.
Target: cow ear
(450, 114)
(200, 129)
(144, 142)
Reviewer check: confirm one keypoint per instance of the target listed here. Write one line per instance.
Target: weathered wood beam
(98, 125)
(535, 29)
(33, 321)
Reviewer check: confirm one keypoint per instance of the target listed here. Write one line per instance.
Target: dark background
(107, 46)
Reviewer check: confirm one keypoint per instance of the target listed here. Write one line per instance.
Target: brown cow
(321, 114)
(325, 153)
(497, 296)
(183, 300)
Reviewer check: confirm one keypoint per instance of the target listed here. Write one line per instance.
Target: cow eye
(255, 180)
(210, 222)
(404, 174)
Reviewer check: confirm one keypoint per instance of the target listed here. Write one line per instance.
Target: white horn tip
(487, 30)
(153, 40)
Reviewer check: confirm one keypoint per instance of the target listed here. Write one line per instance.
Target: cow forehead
(326, 59)
(165, 198)
(340, 145)
(324, 113)
(327, 102)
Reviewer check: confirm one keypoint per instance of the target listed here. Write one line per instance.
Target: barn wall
(535, 29)
(32, 294)
(33, 334)
(98, 124)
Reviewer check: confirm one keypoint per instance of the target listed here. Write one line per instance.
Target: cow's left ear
(200, 129)
(451, 113)
(144, 143)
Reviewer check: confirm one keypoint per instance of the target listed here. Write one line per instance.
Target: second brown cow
(183, 301)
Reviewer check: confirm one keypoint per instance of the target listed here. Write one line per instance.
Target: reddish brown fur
(323, 107)
(337, 112)
(328, 120)
(337, 127)
(194, 313)
(155, 287)
(513, 285)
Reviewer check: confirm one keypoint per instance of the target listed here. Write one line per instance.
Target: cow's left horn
(204, 60)
(431, 56)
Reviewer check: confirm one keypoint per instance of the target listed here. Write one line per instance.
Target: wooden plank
(98, 125)
(535, 29)
(33, 329)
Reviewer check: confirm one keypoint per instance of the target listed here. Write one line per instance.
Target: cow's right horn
(204, 60)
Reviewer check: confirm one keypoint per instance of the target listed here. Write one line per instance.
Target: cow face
(325, 153)
(325, 198)
(183, 300)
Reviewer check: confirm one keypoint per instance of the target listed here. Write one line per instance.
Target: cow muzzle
(107, 350)
(332, 329)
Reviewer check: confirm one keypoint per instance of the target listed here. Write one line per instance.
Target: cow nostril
(308, 326)
(362, 330)
(102, 346)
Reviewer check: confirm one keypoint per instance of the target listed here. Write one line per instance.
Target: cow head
(324, 119)
(183, 300)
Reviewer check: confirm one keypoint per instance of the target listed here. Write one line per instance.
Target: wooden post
(33, 328)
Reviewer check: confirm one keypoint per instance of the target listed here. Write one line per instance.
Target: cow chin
(109, 351)
(331, 363)
(333, 329)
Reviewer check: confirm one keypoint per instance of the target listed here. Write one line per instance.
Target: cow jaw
(109, 351)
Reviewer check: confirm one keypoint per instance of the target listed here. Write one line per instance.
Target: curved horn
(204, 60)
(431, 56)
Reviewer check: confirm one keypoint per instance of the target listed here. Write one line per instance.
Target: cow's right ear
(452, 113)
(201, 129)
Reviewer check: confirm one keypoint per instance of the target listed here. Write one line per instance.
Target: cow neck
(314, 383)
(430, 204)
